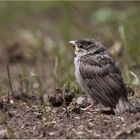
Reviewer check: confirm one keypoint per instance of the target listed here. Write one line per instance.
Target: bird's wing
(103, 79)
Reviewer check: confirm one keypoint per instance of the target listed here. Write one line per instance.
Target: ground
(25, 118)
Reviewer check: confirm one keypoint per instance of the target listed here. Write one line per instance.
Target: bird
(100, 76)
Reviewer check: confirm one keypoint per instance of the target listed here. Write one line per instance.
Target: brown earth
(27, 119)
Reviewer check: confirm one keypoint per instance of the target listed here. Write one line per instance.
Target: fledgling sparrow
(99, 76)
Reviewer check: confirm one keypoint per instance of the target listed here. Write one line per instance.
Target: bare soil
(27, 119)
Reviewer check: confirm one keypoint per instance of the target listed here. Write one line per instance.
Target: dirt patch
(27, 119)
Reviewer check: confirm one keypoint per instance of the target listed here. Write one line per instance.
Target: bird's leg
(90, 107)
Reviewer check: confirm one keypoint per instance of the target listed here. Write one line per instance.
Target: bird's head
(85, 46)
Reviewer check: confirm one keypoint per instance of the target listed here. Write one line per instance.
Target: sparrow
(99, 76)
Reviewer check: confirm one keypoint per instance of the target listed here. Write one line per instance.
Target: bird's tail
(124, 106)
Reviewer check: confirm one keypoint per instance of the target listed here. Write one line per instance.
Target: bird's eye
(81, 46)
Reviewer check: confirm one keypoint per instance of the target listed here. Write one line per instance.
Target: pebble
(4, 134)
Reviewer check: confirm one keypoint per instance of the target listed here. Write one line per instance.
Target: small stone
(51, 133)
(83, 101)
(80, 100)
(4, 134)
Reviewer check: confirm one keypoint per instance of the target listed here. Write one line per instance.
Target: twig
(9, 81)
(64, 103)
(128, 130)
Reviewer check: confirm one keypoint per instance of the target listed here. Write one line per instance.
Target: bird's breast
(77, 71)
(79, 77)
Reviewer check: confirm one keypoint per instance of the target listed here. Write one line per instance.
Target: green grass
(99, 20)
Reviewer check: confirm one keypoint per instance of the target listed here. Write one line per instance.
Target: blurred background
(34, 40)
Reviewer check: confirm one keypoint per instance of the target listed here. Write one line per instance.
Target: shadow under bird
(100, 77)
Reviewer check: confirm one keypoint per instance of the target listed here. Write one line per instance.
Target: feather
(102, 78)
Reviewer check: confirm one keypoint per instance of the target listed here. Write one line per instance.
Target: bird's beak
(73, 44)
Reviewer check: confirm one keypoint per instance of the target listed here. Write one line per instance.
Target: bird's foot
(88, 108)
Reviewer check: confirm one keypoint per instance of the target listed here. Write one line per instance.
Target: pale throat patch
(76, 48)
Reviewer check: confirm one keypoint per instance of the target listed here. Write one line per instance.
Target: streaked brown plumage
(99, 76)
